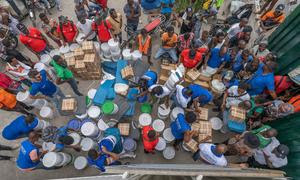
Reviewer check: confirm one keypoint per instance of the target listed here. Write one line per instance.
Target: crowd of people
(246, 70)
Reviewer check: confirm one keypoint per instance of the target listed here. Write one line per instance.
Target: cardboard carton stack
(194, 76)
(124, 128)
(237, 114)
(69, 105)
(203, 129)
(192, 145)
(165, 71)
(127, 72)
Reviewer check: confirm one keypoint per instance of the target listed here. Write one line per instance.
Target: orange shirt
(270, 15)
(7, 100)
(148, 145)
(171, 41)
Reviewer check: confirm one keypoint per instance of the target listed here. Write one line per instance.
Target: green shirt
(61, 72)
(264, 142)
(254, 108)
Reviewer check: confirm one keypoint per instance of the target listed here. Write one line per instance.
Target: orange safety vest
(295, 101)
(148, 145)
(143, 48)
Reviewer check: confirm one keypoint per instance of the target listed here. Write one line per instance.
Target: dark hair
(192, 53)
(244, 86)
(143, 83)
(151, 134)
(170, 29)
(190, 117)
(67, 140)
(246, 51)
(158, 90)
(56, 57)
(29, 118)
(93, 154)
(186, 36)
(32, 73)
(42, 15)
(9, 59)
(111, 11)
(188, 92)
(247, 29)
(221, 33)
(143, 30)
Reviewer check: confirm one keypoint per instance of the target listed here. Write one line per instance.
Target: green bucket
(88, 101)
(108, 108)
(146, 108)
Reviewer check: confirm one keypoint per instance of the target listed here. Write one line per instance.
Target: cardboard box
(69, 104)
(127, 72)
(204, 114)
(196, 127)
(165, 69)
(203, 84)
(69, 55)
(163, 79)
(80, 66)
(89, 58)
(193, 74)
(78, 54)
(205, 127)
(88, 47)
(71, 62)
(201, 137)
(124, 128)
(192, 145)
(204, 78)
(237, 114)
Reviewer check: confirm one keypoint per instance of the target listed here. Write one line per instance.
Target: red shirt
(190, 63)
(281, 83)
(102, 3)
(34, 40)
(69, 31)
(148, 145)
(103, 31)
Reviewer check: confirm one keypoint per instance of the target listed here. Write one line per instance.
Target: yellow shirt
(115, 23)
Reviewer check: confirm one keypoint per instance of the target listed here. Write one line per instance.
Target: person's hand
(103, 148)
(198, 110)
(237, 137)
(223, 106)
(45, 151)
(244, 165)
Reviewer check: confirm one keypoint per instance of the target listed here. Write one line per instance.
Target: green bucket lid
(146, 108)
(108, 107)
(88, 101)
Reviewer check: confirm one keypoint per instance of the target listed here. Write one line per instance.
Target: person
(145, 82)
(144, 43)
(85, 26)
(215, 60)
(49, 29)
(190, 58)
(188, 21)
(203, 41)
(234, 96)
(276, 109)
(181, 128)
(273, 156)
(241, 59)
(263, 78)
(157, 91)
(8, 102)
(100, 160)
(34, 40)
(237, 28)
(211, 154)
(8, 20)
(81, 12)
(20, 127)
(265, 134)
(9, 84)
(272, 18)
(182, 96)
(132, 11)
(244, 35)
(185, 41)
(254, 113)
(229, 79)
(116, 21)
(8, 148)
(169, 41)
(111, 142)
(29, 155)
(150, 139)
(64, 74)
(167, 8)
(260, 51)
(151, 6)
(102, 4)
(18, 70)
(66, 30)
(282, 84)
(102, 28)
(217, 41)
(199, 95)
(264, 9)
(41, 84)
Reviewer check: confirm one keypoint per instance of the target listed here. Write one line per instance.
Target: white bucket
(185, 148)
(105, 49)
(113, 46)
(78, 39)
(158, 125)
(87, 144)
(175, 112)
(127, 54)
(46, 112)
(161, 145)
(169, 152)
(168, 136)
(40, 66)
(136, 55)
(102, 125)
(89, 129)
(116, 55)
(45, 59)
(39, 103)
(67, 158)
(145, 119)
(48, 146)
(41, 125)
(54, 52)
(52, 159)
(121, 88)
(208, 72)
(97, 47)
(24, 97)
(217, 86)
(94, 112)
(163, 111)
(216, 123)
(76, 138)
(74, 46)
(64, 49)
(173, 79)
(91, 94)
(82, 116)
(80, 163)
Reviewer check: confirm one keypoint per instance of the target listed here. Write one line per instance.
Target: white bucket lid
(219, 86)
(97, 45)
(216, 123)
(161, 145)
(74, 46)
(176, 111)
(22, 96)
(185, 148)
(137, 54)
(50, 159)
(45, 112)
(169, 152)
(54, 52)
(158, 125)
(88, 128)
(48, 146)
(120, 88)
(168, 136)
(39, 66)
(126, 53)
(105, 47)
(76, 138)
(102, 125)
(163, 110)
(80, 162)
(87, 144)
(45, 58)
(91, 94)
(112, 43)
(94, 111)
(78, 39)
(145, 119)
(117, 53)
(82, 116)
(64, 49)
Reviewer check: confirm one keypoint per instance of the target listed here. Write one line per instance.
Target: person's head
(281, 151)
(189, 11)
(221, 149)
(192, 54)
(233, 52)
(271, 133)
(245, 105)
(286, 108)
(29, 118)
(270, 66)
(33, 136)
(144, 32)
(247, 36)
(44, 18)
(242, 88)
(170, 31)
(63, 20)
(151, 135)
(247, 29)
(187, 92)
(245, 54)
(12, 61)
(204, 35)
(262, 46)
(99, 19)
(60, 61)
(255, 63)
(158, 90)
(243, 22)
(228, 75)
(67, 140)
(279, 10)
(93, 154)
(220, 36)
(21, 27)
(190, 117)
(242, 44)
(270, 57)
(143, 83)
(186, 36)
(113, 13)
(223, 50)
(251, 140)
(130, 2)
(34, 75)
(82, 20)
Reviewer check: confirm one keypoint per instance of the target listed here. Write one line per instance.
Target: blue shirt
(238, 65)
(198, 91)
(179, 127)
(18, 127)
(106, 143)
(45, 86)
(150, 4)
(24, 161)
(99, 163)
(259, 82)
(216, 60)
(167, 9)
(152, 78)
(232, 82)
(62, 131)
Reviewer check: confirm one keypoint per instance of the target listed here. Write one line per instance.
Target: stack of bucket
(24, 97)
(111, 50)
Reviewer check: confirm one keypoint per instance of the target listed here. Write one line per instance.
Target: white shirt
(86, 28)
(183, 101)
(234, 29)
(234, 101)
(166, 91)
(207, 155)
(276, 162)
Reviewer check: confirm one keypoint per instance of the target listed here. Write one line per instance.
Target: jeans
(72, 82)
(46, 50)
(171, 51)
(55, 99)
(132, 26)
(197, 29)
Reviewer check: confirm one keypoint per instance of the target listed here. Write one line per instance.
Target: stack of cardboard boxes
(165, 71)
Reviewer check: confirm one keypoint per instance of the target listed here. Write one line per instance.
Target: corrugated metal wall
(289, 134)
(285, 42)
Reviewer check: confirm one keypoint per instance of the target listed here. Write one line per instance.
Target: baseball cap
(281, 151)
(251, 140)
(280, 7)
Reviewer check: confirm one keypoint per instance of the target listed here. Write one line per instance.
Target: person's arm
(206, 60)
(269, 163)
(273, 94)
(94, 26)
(139, 13)
(16, 74)
(31, 50)
(188, 135)
(223, 106)
(113, 155)
(44, 38)
(221, 67)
